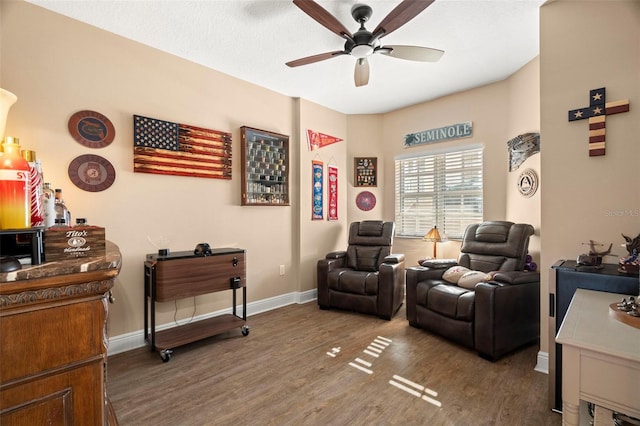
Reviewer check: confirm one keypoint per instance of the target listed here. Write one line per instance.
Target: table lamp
(6, 100)
(435, 237)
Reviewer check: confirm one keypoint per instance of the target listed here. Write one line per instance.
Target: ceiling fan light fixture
(361, 51)
(364, 43)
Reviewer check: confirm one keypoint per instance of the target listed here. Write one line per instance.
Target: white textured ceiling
(484, 41)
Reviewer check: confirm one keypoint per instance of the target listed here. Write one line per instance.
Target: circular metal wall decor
(91, 129)
(365, 201)
(92, 173)
(528, 182)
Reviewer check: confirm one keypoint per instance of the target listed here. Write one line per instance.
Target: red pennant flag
(318, 140)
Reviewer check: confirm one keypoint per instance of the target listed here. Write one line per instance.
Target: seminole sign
(455, 131)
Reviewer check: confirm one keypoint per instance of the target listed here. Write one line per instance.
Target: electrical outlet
(281, 269)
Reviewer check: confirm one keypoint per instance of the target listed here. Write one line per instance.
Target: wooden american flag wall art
(166, 148)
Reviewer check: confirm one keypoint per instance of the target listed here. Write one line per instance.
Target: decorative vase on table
(7, 99)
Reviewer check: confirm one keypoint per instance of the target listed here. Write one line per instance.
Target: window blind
(442, 189)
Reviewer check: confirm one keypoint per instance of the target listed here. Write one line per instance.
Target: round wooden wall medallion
(365, 201)
(92, 173)
(91, 129)
(528, 182)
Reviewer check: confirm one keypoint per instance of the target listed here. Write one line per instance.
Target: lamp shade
(6, 100)
(433, 235)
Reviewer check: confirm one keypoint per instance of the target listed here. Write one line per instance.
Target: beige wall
(366, 139)
(488, 107)
(319, 237)
(58, 66)
(584, 46)
(524, 117)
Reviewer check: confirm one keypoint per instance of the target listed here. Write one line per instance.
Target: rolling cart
(184, 274)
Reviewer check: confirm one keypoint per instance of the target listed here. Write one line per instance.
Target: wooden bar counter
(53, 342)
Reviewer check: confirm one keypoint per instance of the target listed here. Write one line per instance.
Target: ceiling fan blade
(361, 74)
(315, 58)
(403, 13)
(411, 53)
(323, 17)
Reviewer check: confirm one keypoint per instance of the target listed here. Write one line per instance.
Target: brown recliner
(496, 317)
(367, 277)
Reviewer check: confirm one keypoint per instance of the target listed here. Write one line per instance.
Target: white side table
(601, 357)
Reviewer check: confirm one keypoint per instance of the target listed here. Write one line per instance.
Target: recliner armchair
(497, 316)
(367, 277)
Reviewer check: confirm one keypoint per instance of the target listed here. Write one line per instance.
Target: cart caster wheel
(245, 330)
(165, 355)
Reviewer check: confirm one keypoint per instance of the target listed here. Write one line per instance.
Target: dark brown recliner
(366, 277)
(497, 316)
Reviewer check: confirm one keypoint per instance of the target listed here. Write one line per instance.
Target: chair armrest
(506, 315)
(391, 282)
(331, 262)
(394, 258)
(336, 255)
(415, 274)
(516, 277)
(438, 263)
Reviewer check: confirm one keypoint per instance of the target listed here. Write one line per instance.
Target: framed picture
(265, 168)
(365, 171)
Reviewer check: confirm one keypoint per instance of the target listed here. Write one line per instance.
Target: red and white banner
(317, 140)
(332, 192)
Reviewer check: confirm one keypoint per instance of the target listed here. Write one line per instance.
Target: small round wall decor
(92, 173)
(365, 201)
(91, 129)
(528, 182)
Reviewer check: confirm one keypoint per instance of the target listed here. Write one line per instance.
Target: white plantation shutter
(441, 189)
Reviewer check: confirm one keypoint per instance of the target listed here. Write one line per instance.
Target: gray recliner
(494, 317)
(367, 277)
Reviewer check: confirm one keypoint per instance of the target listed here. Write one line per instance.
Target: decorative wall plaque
(528, 182)
(597, 112)
(365, 171)
(91, 129)
(366, 201)
(522, 147)
(92, 173)
(454, 131)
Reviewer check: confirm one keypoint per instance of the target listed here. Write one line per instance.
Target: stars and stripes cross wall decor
(597, 112)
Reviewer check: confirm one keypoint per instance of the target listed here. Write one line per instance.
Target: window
(442, 189)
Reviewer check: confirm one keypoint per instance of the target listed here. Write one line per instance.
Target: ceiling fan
(363, 43)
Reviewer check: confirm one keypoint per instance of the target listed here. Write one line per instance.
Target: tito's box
(65, 243)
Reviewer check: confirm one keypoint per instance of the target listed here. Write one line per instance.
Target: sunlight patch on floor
(415, 389)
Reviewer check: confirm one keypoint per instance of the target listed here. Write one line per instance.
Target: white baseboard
(542, 365)
(135, 339)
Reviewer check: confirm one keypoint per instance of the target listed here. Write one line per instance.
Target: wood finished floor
(281, 374)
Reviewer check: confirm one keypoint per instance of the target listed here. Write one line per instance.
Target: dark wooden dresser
(53, 342)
